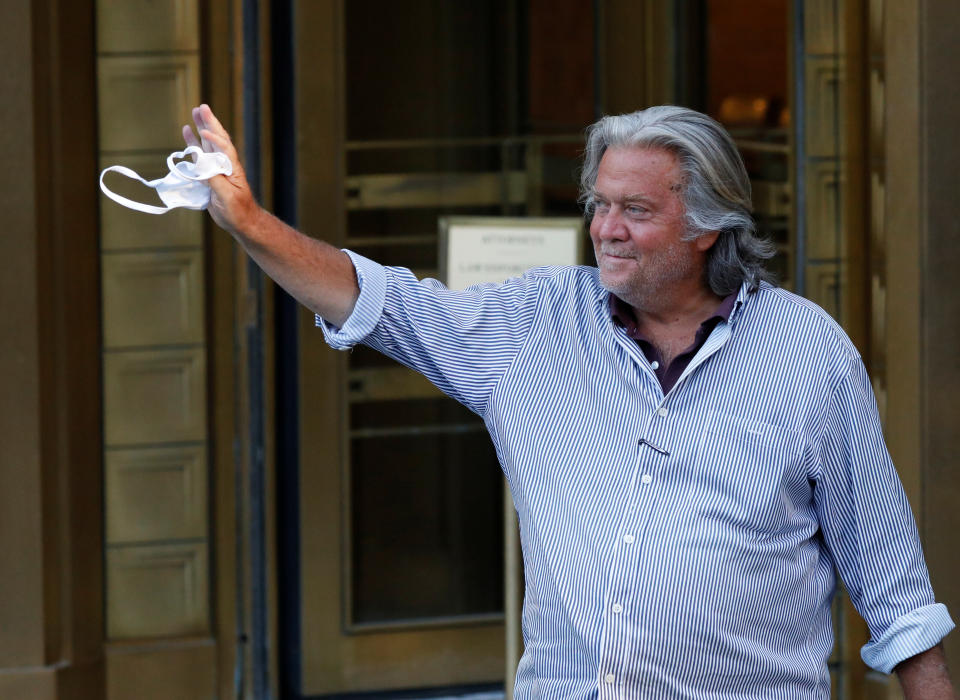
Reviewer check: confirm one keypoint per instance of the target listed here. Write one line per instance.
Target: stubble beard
(653, 279)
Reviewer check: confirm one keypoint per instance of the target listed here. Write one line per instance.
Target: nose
(609, 226)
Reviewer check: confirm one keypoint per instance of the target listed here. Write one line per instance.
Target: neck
(672, 324)
(682, 305)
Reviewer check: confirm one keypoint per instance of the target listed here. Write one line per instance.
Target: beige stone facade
(142, 410)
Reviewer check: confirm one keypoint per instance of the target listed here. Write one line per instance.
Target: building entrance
(434, 109)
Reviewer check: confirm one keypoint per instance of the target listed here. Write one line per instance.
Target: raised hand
(319, 276)
(232, 204)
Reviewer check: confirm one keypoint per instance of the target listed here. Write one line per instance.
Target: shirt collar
(746, 289)
(622, 312)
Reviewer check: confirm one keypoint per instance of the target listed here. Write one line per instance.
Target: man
(692, 452)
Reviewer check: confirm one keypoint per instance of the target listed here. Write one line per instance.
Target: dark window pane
(427, 525)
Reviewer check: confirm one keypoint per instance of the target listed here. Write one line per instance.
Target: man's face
(638, 225)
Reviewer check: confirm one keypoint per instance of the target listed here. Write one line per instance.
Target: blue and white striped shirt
(678, 546)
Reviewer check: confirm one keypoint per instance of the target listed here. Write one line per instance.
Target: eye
(601, 207)
(636, 210)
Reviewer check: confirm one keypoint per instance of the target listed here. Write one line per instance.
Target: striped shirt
(678, 546)
(668, 374)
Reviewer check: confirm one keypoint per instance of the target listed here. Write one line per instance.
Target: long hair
(716, 188)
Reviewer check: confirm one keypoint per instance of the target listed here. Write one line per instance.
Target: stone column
(923, 300)
(51, 608)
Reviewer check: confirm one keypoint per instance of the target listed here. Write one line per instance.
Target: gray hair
(716, 188)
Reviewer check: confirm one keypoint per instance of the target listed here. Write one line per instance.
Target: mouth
(614, 256)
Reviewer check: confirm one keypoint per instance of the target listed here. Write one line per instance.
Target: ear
(705, 241)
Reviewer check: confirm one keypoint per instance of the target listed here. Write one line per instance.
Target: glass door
(410, 112)
(783, 76)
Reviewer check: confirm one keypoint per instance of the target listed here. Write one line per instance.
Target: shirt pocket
(748, 475)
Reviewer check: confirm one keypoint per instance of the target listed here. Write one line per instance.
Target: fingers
(210, 121)
(218, 142)
(201, 125)
(213, 137)
(188, 136)
(204, 118)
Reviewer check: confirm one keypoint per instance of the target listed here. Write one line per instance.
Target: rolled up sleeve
(461, 340)
(909, 635)
(869, 527)
(372, 280)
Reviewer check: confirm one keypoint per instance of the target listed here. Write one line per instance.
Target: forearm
(316, 274)
(925, 676)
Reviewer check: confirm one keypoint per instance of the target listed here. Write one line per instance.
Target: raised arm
(316, 274)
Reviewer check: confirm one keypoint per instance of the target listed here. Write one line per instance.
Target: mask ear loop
(146, 208)
(207, 165)
(216, 164)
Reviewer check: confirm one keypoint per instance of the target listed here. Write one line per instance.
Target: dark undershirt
(624, 317)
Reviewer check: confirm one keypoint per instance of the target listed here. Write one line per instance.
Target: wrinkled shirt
(681, 545)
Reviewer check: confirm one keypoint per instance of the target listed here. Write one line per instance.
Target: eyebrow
(629, 199)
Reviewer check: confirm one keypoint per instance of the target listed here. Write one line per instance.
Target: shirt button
(609, 678)
(646, 478)
(655, 365)
(628, 539)
(617, 608)
(662, 412)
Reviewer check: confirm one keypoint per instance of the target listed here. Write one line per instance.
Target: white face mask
(184, 186)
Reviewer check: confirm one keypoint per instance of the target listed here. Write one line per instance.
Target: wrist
(249, 224)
